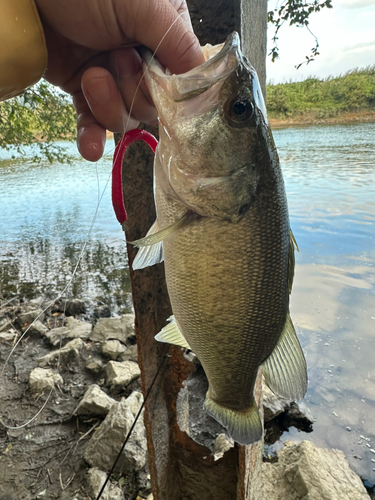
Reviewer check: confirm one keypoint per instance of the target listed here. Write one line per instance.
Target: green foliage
(41, 115)
(296, 12)
(325, 98)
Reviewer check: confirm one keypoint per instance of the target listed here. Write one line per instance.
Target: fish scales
(223, 230)
(251, 315)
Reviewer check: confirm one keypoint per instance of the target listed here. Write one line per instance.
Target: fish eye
(240, 111)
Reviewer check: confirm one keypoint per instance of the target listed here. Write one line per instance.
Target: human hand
(91, 55)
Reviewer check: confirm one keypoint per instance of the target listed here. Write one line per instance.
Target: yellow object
(23, 53)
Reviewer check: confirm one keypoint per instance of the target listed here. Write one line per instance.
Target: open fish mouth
(196, 81)
(221, 61)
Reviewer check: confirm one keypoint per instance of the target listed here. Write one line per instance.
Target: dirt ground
(44, 459)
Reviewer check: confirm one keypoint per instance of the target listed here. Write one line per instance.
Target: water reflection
(330, 179)
(45, 230)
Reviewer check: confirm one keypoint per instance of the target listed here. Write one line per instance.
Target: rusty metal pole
(180, 468)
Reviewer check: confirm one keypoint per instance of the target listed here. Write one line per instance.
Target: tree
(296, 12)
(41, 115)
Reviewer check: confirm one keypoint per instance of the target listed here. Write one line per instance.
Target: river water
(45, 217)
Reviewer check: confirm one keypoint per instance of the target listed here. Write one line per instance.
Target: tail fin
(243, 426)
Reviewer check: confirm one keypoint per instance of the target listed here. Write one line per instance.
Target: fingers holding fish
(117, 99)
(91, 136)
(127, 67)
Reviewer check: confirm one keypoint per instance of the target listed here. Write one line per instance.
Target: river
(329, 172)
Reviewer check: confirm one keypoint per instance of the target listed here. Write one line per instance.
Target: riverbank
(309, 119)
(345, 99)
(82, 369)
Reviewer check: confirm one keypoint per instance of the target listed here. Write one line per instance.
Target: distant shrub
(349, 92)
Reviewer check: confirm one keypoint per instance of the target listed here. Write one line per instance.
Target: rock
(298, 412)
(130, 354)
(120, 374)
(191, 417)
(272, 405)
(94, 402)
(73, 307)
(106, 443)
(113, 349)
(95, 366)
(306, 472)
(102, 312)
(29, 316)
(37, 328)
(72, 348)
(73, 329)
(280, 414)
(42, 379)
(223, 443)
(8, 336)
(121, 328)
(95, 480)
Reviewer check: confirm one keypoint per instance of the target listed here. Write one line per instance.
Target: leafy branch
(40, 116)
(295, 12)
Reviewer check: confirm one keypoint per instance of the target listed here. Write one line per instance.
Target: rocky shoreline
(83, 369)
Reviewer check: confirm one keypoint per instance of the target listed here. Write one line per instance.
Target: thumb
(166, 29)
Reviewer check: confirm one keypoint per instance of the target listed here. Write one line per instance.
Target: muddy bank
(46, 458)
(83, 367)
(309, 119)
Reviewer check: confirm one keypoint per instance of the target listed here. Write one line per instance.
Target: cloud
(358, 47)
(356, 4)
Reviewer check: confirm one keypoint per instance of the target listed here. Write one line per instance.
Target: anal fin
(285, 369)
(171, 334)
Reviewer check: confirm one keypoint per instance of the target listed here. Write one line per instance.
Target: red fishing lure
(117, 192)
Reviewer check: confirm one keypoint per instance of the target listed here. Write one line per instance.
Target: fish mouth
(222, 61)
(198, 80)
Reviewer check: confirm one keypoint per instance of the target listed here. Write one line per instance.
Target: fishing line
(34, 417)
(100, 197)
(160, 368)
(142, 77)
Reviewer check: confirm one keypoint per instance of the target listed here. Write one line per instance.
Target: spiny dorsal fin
(149, 255)
(171, 334)
(285, 369)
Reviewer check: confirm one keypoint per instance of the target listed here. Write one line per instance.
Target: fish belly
(227, 284)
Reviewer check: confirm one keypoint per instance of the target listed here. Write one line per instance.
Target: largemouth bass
(223, 230)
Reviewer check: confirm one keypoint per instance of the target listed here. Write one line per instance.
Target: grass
(338, 97)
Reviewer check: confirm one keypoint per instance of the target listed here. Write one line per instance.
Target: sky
(346, 35)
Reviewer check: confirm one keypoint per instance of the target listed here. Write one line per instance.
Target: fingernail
(98, 89)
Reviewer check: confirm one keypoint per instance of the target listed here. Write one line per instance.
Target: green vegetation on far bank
(44, 115)
(347, 97)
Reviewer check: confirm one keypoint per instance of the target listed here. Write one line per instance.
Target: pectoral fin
(171, 334)
(285, 369)
(156, 235)
(152, 254)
